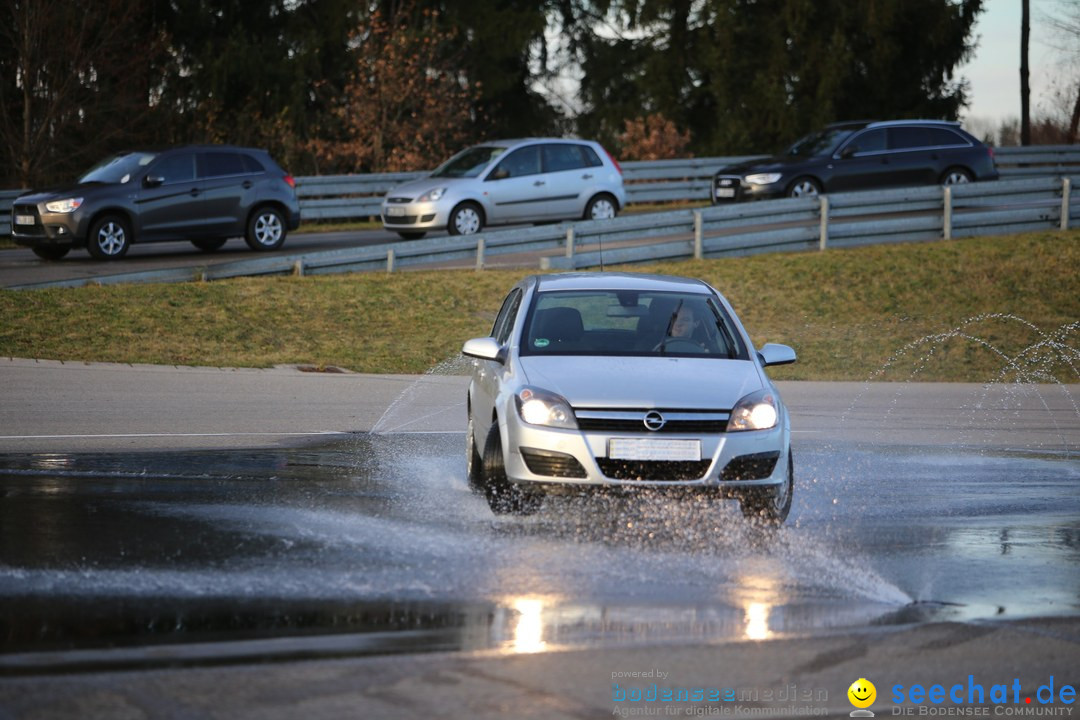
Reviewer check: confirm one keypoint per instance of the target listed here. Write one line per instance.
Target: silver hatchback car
(505, 182)
(607, 380)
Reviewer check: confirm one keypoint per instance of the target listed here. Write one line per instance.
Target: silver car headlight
(540, 407)
(64, 206)
(762, 178)
(756, 411)
(432, 195)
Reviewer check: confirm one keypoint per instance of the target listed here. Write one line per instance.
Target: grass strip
(977, 310)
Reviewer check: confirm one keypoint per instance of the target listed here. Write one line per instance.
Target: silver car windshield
(119, 168)
(629, 323)
(468, 163)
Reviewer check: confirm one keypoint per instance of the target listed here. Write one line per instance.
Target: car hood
(59, 192)
(780, 163)
(644, 382)
(415, 188)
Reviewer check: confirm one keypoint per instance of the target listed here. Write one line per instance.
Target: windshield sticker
(541, 342)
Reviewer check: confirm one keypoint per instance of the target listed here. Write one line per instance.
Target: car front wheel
(804, 187)
(109, 239)
(503, 496)
(770, 504)
(265, 230)
(466, 219)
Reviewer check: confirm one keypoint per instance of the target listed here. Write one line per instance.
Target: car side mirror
(499, 174)
(774, 354)
(485, 348)
(152, 181)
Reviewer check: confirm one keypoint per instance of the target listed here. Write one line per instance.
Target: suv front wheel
(265, 230)
(109, 238)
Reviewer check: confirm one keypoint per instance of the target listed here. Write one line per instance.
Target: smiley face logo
(862, 693)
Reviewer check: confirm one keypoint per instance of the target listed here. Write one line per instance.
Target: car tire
(601, 207)
(503, 496)
(50, 252)
(772, 505)
(411, 235)
(209, 244)
(109, 238)
(805, 186)
(466, 219)
(474, 464)
(956, 176)
(265, 229)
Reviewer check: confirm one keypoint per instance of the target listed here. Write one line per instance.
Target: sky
(994, 71)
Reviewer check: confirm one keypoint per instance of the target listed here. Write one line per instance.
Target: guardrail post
(480, 253)
(1066, 186)
(698, 236)
(298, 268)
(946, 220)
(823, 232)
(390, 260)
(570, 239)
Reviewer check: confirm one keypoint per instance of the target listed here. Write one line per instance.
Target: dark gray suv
(202, 193)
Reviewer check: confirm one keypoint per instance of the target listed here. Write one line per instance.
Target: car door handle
(538, 183)
(587, 176)
(247, 184)
(195, 192)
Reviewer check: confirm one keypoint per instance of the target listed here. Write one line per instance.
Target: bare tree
(405, 106)
(1064, 24)
(72, 79)
(1025, 88)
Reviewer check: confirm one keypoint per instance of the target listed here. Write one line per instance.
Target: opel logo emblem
(654, 420)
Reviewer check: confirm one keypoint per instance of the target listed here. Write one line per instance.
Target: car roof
(859, 124)
(520, 141)
(619, 281)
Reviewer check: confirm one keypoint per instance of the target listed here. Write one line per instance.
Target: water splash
(1035, 365)
(415, 403)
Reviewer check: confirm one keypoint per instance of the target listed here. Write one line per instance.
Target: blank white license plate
(24, 219)
(725, 192)
(395, 211)
(653, 449)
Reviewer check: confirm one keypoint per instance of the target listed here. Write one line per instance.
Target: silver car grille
(660, 420)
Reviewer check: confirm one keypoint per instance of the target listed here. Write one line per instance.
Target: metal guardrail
(834, 221)
(347, 197)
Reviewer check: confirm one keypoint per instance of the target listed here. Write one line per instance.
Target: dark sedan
(861, 156)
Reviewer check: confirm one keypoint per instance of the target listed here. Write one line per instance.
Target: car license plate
(653, 449)
(395, 211)
(24, 219)
(725, 192)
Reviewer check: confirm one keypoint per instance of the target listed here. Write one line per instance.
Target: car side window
(174, 169)
(252, 165)
(591, 158)
(221, 164)
(916, 137)
(871, 141)
(525, 161)
(558, 158)
(504, 322)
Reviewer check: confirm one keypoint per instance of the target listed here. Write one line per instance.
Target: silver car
(508, 181)
(624, 381)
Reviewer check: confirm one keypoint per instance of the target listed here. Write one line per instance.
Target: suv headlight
(762, 178)
(64, 206)
(432, 195)
(756, 411)
(540, 407)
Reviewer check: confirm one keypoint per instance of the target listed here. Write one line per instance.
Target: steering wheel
(679, 344)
